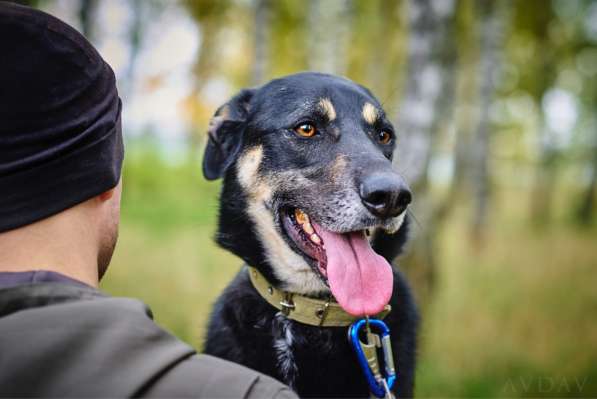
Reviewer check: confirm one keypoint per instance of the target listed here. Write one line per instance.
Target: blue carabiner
(376, 385)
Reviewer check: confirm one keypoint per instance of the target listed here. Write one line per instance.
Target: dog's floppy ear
(225, 135)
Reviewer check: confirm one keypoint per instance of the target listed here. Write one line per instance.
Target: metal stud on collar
(322, 312)
(287, 304)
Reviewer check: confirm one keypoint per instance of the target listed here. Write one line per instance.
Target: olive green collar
(306, 310)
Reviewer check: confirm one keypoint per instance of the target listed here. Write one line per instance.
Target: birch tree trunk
(425, 106)
(135, 34)
(585, 212)
(491, 37)
(211, 18)
(261, 41)
(329, 35)
(464, 126)
(545, 71)
(87, 11)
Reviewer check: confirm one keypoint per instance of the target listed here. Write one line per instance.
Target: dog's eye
(305, 130)
(384, 137)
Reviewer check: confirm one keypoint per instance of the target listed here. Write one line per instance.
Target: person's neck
(62, 243)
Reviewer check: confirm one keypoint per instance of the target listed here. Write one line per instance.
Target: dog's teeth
(315, 238)
(308, 228)
(301, 217)
(303, 220)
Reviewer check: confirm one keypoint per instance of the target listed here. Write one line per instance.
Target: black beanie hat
(60, 134)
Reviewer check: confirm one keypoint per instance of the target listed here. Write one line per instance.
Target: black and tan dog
(306, 162)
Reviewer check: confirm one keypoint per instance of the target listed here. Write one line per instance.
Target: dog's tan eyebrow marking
(370, 113)
(328, 108)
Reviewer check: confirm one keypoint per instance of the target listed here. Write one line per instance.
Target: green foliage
(160, 197)
(289, 37)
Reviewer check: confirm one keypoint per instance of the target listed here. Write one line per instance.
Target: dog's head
(306, 161)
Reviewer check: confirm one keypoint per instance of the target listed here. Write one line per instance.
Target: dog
(306, 162)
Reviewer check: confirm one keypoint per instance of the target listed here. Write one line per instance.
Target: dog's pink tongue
(360, 280)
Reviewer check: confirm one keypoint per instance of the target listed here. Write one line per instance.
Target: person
(61, 154)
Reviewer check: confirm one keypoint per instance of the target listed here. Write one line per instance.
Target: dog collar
(304, 309)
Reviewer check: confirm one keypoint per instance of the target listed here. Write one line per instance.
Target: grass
(517, 319)
(522, 310)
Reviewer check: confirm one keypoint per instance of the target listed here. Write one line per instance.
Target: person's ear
(107, 195)
(225, 135)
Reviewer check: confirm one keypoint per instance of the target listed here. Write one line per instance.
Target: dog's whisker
(412, 215)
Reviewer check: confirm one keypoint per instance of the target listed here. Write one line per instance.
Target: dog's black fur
(266, 167)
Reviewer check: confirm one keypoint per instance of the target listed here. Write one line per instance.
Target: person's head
(61, 148)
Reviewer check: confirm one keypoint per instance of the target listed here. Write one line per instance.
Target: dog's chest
(314, 360)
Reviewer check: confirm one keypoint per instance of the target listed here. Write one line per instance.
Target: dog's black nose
(385, 194)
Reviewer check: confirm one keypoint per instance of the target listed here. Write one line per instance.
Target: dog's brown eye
(384, 137)
(305, 130)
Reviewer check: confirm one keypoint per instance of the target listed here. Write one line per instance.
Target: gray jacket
(66, 340)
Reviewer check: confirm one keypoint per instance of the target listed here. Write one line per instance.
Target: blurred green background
(495, 107)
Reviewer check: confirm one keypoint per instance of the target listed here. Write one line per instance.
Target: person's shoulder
(210, 377)
(199, 375)
(110, 346)
(103, 346)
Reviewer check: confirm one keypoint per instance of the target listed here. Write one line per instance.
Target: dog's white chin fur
(394, 224)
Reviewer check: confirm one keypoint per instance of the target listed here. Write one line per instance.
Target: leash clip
(366, 352)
